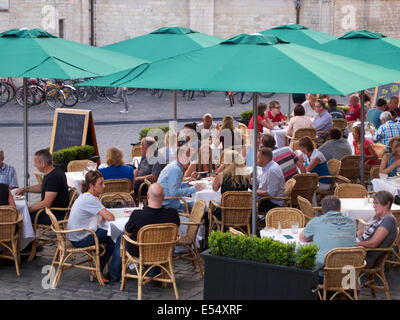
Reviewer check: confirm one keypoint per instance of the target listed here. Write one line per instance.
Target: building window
(61, 28)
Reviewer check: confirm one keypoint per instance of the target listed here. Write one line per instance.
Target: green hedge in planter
(246, 115)
(73, 153)
(262, 250)
(143, 133)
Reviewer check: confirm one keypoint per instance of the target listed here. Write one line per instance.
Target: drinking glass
(294, 227)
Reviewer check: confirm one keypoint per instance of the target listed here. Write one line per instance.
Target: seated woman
(381, 230)
(116, 167)
(262, 120)
(391, 161)
(86, 212)
(203, 163)
(370, 154)
(314, 162)
(229, 136)
(168, 152)
(233, 177)
(6, 198)
(300, 120)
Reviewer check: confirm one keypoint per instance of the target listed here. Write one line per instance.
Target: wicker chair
(351, 190)
(306, 208)
(300, 133)
(9, 240)
(43, 231)
(285, 216)
(66, 250)
(374, 172)
(118, 185)
(395, 258)
(351, 168)
(235, 232)
(392, 141)
(79, 165)
(339, 123)
(189, 240)
(236, 211)
(156, 243)
(38, 176)
(295, 145)
(287, 199)
(116, 198)
(138, 197)
(135, 151)
(334, 166)
(306, 185)
(185, 213)
(334, 262)
(378, 269)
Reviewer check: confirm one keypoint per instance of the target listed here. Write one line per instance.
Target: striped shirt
(8, 176)
(286, 159)
(387, 131)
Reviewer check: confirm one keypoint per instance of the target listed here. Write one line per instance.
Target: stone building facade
(116, 20)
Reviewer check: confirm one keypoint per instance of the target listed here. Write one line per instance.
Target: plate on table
(121, 213)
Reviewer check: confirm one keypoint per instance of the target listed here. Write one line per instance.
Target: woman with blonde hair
(370, 154)
(390, 163)
(228, 135)
(116, 167)
(168, 153)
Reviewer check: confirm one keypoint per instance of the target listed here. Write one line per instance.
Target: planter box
(229, 278)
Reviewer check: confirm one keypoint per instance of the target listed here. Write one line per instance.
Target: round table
(279, 135)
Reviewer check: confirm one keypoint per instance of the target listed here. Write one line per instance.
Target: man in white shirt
(207, 128)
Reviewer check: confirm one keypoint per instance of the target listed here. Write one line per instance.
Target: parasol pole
(254, 188)
(362, 138)
(25, 133)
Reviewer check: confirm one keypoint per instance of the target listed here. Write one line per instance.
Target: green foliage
(73, 153)
(143, 134)
(246, 115)
(262, 250)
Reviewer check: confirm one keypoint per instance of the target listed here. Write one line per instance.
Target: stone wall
(117, 20)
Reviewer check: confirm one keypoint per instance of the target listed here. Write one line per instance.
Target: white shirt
(309, 111)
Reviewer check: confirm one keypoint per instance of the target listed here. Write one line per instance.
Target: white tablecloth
(116, 227)
(75, 179)
(279, 135)
(390, 185)
(27, 230)
(281, 236)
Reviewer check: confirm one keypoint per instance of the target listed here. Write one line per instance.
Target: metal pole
(25, 135)
(175, 107)
(254, 188)
(290, 96)
(362, 137)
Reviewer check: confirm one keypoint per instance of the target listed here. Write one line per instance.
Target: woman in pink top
(371, 156)
(261, 119)
(300, 120)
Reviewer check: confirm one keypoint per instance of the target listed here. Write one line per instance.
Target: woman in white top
(309, 105)
(86, 213)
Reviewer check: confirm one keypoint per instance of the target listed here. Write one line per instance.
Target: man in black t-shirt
(153, 213)
(54, 188)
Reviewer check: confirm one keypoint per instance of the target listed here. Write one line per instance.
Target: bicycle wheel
(112, 94)
(85, 94)
(245, 97)
(11, 90)
(19, 96)
(71, 97)
(37, 94)
(4, 94)
(131, 91)
(266, 94)
(54, 97)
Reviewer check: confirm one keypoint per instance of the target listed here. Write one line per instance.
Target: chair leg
(140, 282)
(15, 256)
(33, 251)
(198, 259)
(171, 270)
(98, 271)
(123, 273)
(371, 283)
(59, 269)
(53, 263)
(385, 284)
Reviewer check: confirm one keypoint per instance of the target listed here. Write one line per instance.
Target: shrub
(143, 133)
(262, 250)
(73, 153)
(246, 115)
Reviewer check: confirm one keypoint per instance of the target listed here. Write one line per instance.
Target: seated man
(387, 130)
(334, 111)
(171, 180)
(207, 128)
(336, 147)
(323, 121)
(393, 107)
(7, 173)
(284, 157)
(153, 213)
(354, 112)
(54, 189)
(147, 169)
(330, 230)
(271, 182)
(374, 113)
(275, 114)
(381, 230)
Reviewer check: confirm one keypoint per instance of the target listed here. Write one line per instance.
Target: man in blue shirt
(374, 113)
(171, 180)
(7, 173)
(323, 121)
(330, 230)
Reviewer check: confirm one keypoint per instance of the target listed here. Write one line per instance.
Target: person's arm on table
(37, 188)
(49, 197)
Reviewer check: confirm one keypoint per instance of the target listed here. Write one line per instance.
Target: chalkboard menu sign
(72, 127)
(386, 92)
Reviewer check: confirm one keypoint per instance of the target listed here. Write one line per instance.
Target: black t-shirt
(4, 194)
(146, 216)
(56, 181)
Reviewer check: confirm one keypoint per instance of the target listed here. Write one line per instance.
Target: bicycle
(246, 97)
